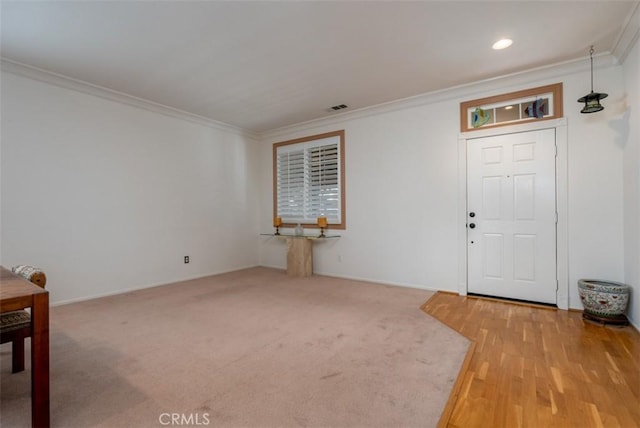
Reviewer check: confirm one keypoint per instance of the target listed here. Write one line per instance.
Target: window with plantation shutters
(309, 180)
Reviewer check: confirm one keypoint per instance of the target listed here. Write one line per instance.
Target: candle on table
(277, 221)
(322, 221)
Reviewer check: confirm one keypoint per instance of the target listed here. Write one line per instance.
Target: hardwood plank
(539, 367)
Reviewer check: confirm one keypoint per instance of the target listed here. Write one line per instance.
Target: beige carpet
(253, 348)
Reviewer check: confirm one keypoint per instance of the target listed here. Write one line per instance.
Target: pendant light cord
(591, 56)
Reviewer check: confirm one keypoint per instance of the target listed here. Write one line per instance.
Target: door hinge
(556, 217)
(556, 144)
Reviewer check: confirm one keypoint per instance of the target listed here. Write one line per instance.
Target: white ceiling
(264, 65)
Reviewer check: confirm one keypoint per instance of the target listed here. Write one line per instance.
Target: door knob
(472, 214)
(472, 225)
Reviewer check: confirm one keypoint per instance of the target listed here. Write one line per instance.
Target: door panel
(491, 197)
(511, 242)
(524, 254)
(493, 255)
(524, 196)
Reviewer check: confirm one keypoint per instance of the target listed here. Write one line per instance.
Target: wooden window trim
(343, 213)
(555, 88)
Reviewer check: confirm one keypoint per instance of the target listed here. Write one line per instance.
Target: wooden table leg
(40, 361)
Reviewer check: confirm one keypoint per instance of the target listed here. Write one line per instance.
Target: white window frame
(306, 199)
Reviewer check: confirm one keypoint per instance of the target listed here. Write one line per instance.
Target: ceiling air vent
(338, 107)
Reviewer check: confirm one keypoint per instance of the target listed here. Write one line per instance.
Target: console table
(300, 252)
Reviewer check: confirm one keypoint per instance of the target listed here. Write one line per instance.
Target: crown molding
(629, 35)
(24, 70)
(549, 73)
(465, 91)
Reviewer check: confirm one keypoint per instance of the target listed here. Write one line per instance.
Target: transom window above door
(541, 103)
(308, 180)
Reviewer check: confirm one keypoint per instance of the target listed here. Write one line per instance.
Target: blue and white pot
(603, 298)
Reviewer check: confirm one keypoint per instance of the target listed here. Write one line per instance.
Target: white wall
(108, 197)
(629, 127)
(402, 186)
(596, 199)
(115, 195)
(399, 225)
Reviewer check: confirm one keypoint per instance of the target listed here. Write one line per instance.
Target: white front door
(511, 217)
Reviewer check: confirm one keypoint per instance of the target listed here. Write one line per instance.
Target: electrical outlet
(186, 259)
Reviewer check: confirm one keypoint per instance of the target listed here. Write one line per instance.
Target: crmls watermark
(182, 419)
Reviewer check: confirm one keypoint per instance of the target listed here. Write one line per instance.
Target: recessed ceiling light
(502, 43)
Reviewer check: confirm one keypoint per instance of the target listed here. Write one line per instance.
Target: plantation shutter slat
(291, 183)
(308, 181)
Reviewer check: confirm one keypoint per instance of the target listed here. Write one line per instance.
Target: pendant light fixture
(592, 101)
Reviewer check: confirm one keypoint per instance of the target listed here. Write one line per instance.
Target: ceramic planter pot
(603, 298)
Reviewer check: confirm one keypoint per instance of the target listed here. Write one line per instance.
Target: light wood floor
(539, 367)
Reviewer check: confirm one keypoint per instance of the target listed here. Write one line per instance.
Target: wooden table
(17, 293)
